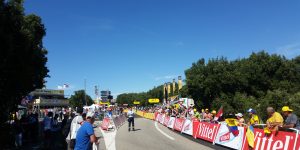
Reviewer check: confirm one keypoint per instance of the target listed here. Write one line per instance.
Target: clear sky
(134, 45)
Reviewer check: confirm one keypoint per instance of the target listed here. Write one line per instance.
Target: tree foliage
(78, 99)
(258, 81)
(22, 55)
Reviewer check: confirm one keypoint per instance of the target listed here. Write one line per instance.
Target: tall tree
(22, 55)
(78, 99)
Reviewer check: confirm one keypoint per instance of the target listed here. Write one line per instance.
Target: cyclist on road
(130, 115)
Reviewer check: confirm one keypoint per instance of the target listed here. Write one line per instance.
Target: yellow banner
(153, 100)
(136, 103)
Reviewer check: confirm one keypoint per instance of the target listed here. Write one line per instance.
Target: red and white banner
(162, 118)
(227, 139)
(105, 124)
(166, 121)
(298, 143)
(187, 127)
(207, 131)
(171, 122)
(280, 141)
(195, 128)
(178, 124)
(158, 117)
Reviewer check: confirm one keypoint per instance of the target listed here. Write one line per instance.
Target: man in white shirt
(130, 115)
(75, 125)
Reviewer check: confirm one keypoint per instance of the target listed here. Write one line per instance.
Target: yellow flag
(250, 136)
(179, 83)
(169, 88)
(174, 86)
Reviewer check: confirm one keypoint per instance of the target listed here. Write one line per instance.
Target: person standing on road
(130, 115)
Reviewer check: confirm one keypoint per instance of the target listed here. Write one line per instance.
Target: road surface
(154, 136)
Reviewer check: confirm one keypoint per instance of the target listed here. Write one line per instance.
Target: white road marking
(162, 132)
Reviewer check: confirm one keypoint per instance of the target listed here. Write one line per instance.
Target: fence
(219, 133)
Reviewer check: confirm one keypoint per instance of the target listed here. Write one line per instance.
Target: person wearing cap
(275, 119)
(206, 114)
(85, 135)
(254, 117)
(291, 120)
(240, 119)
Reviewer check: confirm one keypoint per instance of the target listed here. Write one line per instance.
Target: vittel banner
(280, 141)
(178, 124)
(207, 131)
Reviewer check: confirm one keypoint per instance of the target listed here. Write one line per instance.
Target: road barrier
(220, 134)
(119, 121)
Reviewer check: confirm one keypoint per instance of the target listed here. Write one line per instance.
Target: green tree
(22, 56)
(78, 99)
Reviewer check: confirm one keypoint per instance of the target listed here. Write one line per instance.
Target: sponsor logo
(205, 131)
(225, 137)
(272, 142)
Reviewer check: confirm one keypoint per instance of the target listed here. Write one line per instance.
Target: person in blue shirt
(85, 135)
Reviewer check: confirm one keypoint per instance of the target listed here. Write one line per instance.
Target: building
(46, 98)
(105, 96)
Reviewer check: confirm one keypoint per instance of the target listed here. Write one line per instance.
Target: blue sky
(134, 45)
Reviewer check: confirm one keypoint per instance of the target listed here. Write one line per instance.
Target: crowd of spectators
(283, 120)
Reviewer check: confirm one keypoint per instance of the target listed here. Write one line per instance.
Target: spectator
(197, 114)
(75, 125)
(291, 120)
(241, 120)
(47, 130)
(275, 119)
(85, 136)
(18, 132)
(212, 115)
(254, 117)
(205, 114)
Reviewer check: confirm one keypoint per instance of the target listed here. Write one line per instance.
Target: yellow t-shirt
(254, 119)
(276, 117)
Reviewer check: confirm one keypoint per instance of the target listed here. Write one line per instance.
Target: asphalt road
(148, 137)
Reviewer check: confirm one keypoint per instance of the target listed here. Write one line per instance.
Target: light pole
(85, 92)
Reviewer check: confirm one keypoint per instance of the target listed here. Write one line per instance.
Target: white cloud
(165, 77)
(290, 50)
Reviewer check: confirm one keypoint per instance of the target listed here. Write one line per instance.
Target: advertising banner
(282, 140)
(195, 128)
(227, 139)
(178, 124)
(207, 131)
(166, 121)
(162, 118)
(158, 117)
(187, 127)
(171, 122)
